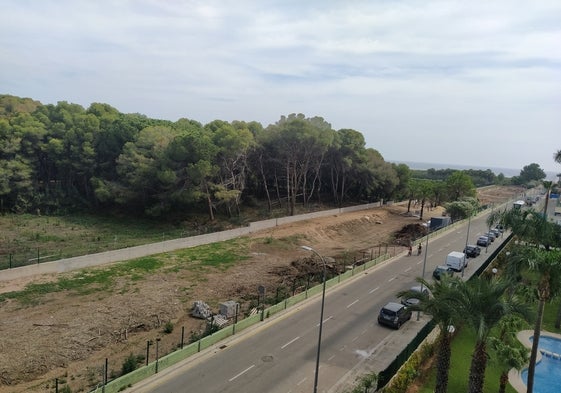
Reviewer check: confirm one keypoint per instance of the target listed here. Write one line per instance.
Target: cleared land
(65, 326)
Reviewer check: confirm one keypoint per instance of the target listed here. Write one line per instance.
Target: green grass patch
(462, 349)
(86, 281)
(549, 316)
(25, 236)
(221, 256)
(286, 243)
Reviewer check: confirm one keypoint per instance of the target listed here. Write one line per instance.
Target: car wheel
(398, 325)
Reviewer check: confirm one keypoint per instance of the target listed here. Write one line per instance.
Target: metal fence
(124, 381)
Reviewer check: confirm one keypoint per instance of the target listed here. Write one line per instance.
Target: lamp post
(307, 248)
(467, 239)
(424, 266)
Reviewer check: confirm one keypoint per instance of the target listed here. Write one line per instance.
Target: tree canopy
(68, 157)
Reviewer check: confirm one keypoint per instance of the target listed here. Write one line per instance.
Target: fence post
(182, 335)
(157, 353)
(104, 375)
(147, 351)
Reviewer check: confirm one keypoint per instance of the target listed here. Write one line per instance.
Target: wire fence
(107, 385)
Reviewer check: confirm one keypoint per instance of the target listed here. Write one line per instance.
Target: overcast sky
(474, 83)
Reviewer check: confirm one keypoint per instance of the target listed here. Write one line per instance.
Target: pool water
(549, 343)
(547, 377)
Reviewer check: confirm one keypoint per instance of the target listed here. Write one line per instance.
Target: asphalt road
(279, 355)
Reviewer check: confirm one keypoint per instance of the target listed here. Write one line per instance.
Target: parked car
(483, 241)
(500, 228)
(394, 315)
(440, 270)
(495, 232)
(491, 236)
(411, 301)
(472, 251)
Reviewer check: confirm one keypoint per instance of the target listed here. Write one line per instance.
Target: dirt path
(68, 337)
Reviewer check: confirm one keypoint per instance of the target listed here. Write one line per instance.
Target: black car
(491, 236)
(440, 270)
(472, 251)
(394, 315)
(483, 241)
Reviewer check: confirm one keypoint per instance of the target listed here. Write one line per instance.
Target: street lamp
(307, 248)
(467, 239)
(424, 266)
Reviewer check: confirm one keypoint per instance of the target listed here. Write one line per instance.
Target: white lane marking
(343, 348)
(301, 382)
(290, 342)
(350, 305)
(331, 357)
(391, 279)
(364, 331)
(325, 320)
(243, 372)
(354, 339)
(409, 268)
(374, 290)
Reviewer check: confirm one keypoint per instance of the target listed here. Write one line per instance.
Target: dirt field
(68, 337)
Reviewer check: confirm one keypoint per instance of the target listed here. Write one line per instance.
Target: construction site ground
(68, 336)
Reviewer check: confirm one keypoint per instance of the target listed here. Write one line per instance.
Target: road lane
(280, 355)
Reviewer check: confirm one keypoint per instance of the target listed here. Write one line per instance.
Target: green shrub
(168, 327)
(129, 364)
(409, 371)
(65, 389)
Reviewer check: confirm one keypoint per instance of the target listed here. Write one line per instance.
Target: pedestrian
(419, 249)
(410, 250)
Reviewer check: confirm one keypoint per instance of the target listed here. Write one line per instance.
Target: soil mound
(409, 233)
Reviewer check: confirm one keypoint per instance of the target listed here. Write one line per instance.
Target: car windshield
(388, 312)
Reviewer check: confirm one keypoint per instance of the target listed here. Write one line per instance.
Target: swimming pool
(547, 377)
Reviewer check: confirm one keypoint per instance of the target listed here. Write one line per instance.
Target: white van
(456, 260)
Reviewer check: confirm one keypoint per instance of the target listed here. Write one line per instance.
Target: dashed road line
(350, 305)
(290, 342)
(242, 373)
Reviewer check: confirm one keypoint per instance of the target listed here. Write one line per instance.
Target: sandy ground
(69, 337)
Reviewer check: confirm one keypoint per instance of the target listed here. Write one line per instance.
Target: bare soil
(69, 337)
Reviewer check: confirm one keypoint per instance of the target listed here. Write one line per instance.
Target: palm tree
(440, 305)
(529, 226)
(557, 159)
(508, 350)
(540, 257)
(547, 185)
(482, 304)
(508, 356)
(544, 267)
